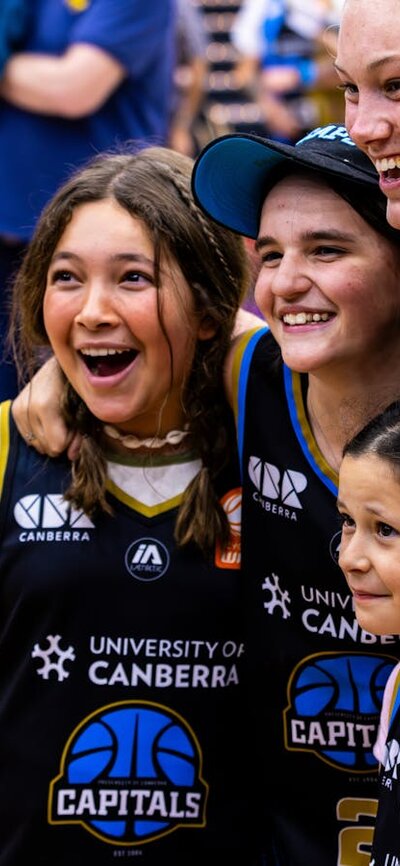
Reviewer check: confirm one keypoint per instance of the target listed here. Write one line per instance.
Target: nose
(353, 554)
(290, 278)
(367, 120)
(97, 310)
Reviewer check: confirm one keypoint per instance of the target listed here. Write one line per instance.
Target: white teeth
(304, 318)
(94, 353)
(385, 164)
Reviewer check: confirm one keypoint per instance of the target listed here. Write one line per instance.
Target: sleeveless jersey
(122, 711)
(386, 846)
(318, 677)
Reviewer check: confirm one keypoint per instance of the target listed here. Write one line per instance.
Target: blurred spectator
(14, 20)
(282, 57)
(89, 74)
(190, 80)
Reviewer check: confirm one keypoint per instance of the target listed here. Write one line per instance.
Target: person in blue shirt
(90, 75)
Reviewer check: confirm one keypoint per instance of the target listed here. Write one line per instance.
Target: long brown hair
(154, 186)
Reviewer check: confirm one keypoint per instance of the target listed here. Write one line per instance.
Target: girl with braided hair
(122, 700)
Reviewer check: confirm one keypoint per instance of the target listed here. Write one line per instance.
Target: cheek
(342, 560)
(262, 292)
(51, 315)
(357, 297)
(350, 115)
(57, 316)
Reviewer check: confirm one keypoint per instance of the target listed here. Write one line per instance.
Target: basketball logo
(334, 706)
(232, 505)
(230, 557)
(130, 773)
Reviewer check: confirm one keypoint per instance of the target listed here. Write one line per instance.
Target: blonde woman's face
(101, 313)
(368, 63)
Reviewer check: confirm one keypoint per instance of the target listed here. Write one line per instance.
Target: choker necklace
(129, 440)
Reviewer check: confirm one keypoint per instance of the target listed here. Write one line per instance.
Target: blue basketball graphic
(130, 773)
(334, 705)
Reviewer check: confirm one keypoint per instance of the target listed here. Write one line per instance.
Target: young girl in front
(369, 502)
(122, 714)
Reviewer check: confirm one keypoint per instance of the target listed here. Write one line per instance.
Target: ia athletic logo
(147, 559)
(271, 483)
(130, 773)
(334, 706)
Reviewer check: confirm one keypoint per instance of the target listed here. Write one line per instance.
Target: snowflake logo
(279, 598)
(53, 658)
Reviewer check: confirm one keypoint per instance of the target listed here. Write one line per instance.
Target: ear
(207, 329)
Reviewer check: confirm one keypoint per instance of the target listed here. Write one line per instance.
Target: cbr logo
(49, 512)
(271, 484)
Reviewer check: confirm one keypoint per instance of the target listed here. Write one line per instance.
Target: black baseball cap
(231, 175)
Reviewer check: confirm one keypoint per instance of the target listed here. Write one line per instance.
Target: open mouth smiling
(388, 167)
(104, 362)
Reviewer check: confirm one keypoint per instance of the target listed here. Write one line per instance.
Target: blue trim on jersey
(242, 389)
(301, 438)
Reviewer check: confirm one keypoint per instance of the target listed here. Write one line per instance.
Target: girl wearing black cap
(328, 287)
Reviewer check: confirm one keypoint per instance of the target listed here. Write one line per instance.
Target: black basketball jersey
(386, 846)
(318, 677)
(122, 712)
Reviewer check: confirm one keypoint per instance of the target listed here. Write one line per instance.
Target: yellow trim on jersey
(238, 353)
(4, 439)
(146, 510)
(307, 432)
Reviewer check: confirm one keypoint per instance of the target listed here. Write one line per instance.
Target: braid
(87, 489)
(180, 183)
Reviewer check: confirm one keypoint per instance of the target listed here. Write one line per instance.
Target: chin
(393, 213)
(373, 626)
(300, 363)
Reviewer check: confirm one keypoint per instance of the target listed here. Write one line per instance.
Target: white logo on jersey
(270, 483)
(279, 598)
(146, 553)
(49, 512)
(147, 559)
(53, 658)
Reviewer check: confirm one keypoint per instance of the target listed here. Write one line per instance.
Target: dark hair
(380, 436)
(154, 186)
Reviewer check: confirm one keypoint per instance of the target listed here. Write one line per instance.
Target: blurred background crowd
(83, 76)
(266, 66)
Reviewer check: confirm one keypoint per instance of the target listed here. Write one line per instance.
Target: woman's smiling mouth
(105, 362)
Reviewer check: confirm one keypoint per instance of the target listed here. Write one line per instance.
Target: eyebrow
(375, 510)
(326, 235)
(118, 257)
(374, 64)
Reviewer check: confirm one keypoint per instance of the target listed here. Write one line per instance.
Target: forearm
(193, 96)
(72, 85)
